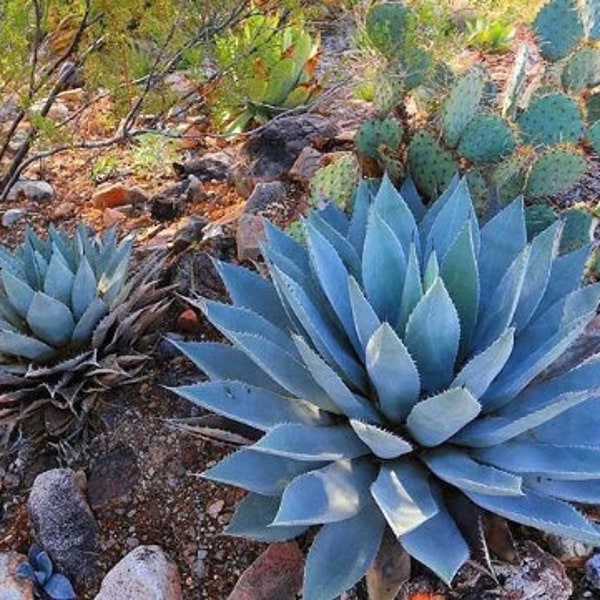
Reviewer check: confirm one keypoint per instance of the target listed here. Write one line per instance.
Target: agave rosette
(393, 363)
(70, 308)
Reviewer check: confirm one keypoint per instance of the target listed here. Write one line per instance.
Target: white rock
(12, 215)
(144, 574)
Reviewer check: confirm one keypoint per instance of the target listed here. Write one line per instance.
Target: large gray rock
(63, 522)
(144, 574)
(30, 189)
(11, 587)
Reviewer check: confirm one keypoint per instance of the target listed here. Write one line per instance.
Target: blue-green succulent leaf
(253, 517)
(438, 544)
(408, 191)
(25, 346)
(393, 373)
(257, 472)
(333, 493)
(366, 320)
(59, 280)
(58, 587)
(437, 419)
(88, 322)
(382, 443)
(333, 216)
(253, 406)
(547, 514)
(431, 273)
(432, 337)
(19, 293)
(84, 289)
(341, 554)
(412, 291)
(384, 268)
(460, 470)
(404, 496)
(304, 442)
(477, 375)
(434, 210)
(358, 223)
(50, 320)
(584, 492)
(286, 246)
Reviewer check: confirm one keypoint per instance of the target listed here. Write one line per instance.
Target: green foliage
(152, 151)
(392, 367)
(389, 26)
(593, 136)
(538, 217)
(579, 229)
(375, 133)
(490, 36)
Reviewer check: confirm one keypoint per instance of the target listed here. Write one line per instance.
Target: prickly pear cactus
(582, 70)
(388, 25)
(417, 63)
(486, 138)
(508, 179)
(431, 167)
(551, 119)
(336, 181)
(559, 28)
(461, 106)
(556, 170)
(516, 83)
(592, 109)
(538, 217)
(590, 14)
(479, 190)
(593, 136)
(388, 93)
(578, 229)
(375, 133)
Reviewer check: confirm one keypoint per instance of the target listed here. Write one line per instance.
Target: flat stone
(11, 586)
(275, 575)
(30, 189)
(265, 195)
(306, 165)
(250, 233)
(144, 574)
(63, 522)
(113, 479)
(12, 215)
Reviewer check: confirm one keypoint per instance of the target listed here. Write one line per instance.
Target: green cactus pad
(516, 83)
(555, 171)
(431, 167)
(388, 94)
(387, 26)
(537, 218)
(593, 136)
(590, 13)
(486, 138)
(551, 119)
(417, 64)
(559, 28)
(374, 133)
(592, 109)
(479, 190)
(336, 181)
(582, 70)
(508, 179)
(578, 230)
(461, 106)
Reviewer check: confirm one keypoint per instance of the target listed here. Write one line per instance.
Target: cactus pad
(417, 64)
(375, 133)
(551, 119)
(578, 230)
(388, 94)
(593, 136)
(582, 70)
(590, 13)
(486, 138)
(336, 181)
(431, 167)
(479, 190)
(555, 171)
(592, 109)
(387, 26)
(559, 28)
(461, 106)
(508, 179)
(537, 218)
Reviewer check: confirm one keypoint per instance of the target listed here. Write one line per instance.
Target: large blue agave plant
(398, 361)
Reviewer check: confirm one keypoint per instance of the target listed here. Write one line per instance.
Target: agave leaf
(253, 406)
(334, 493)
(19, 293)
(552, 516)
(461, 471)
(584, 492)
(382, 443)
(365, 319)
(434, 210)
(432, 272)
(63, 245)
(404, 496)
(84, 289)
(412, 291)
(566, 275)
(498, 429)
(438, 544)
(395, 213)
(15, 344)
(436, 419)
(460, 274)
(543, 251)
(221, 361)
(360, 215)
(336, 561)
(257, 472)
(59, 280)
(432, 336)
(320, 331)
(502, 239)
(384, 268)
(253, 517)
(11, 263)
(333, 277)
(393, 373)
(84, 329)
(343, 399)
(557, 462)
(477, 375)
(500, 311)
(50, 320)
(286, 246)
(249, 290)
(413, 200)
(304, 442)
(332, 218)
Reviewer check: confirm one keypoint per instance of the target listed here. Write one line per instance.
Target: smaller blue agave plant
(47, 582)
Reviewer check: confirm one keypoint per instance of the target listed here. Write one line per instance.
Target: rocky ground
(122, 509)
